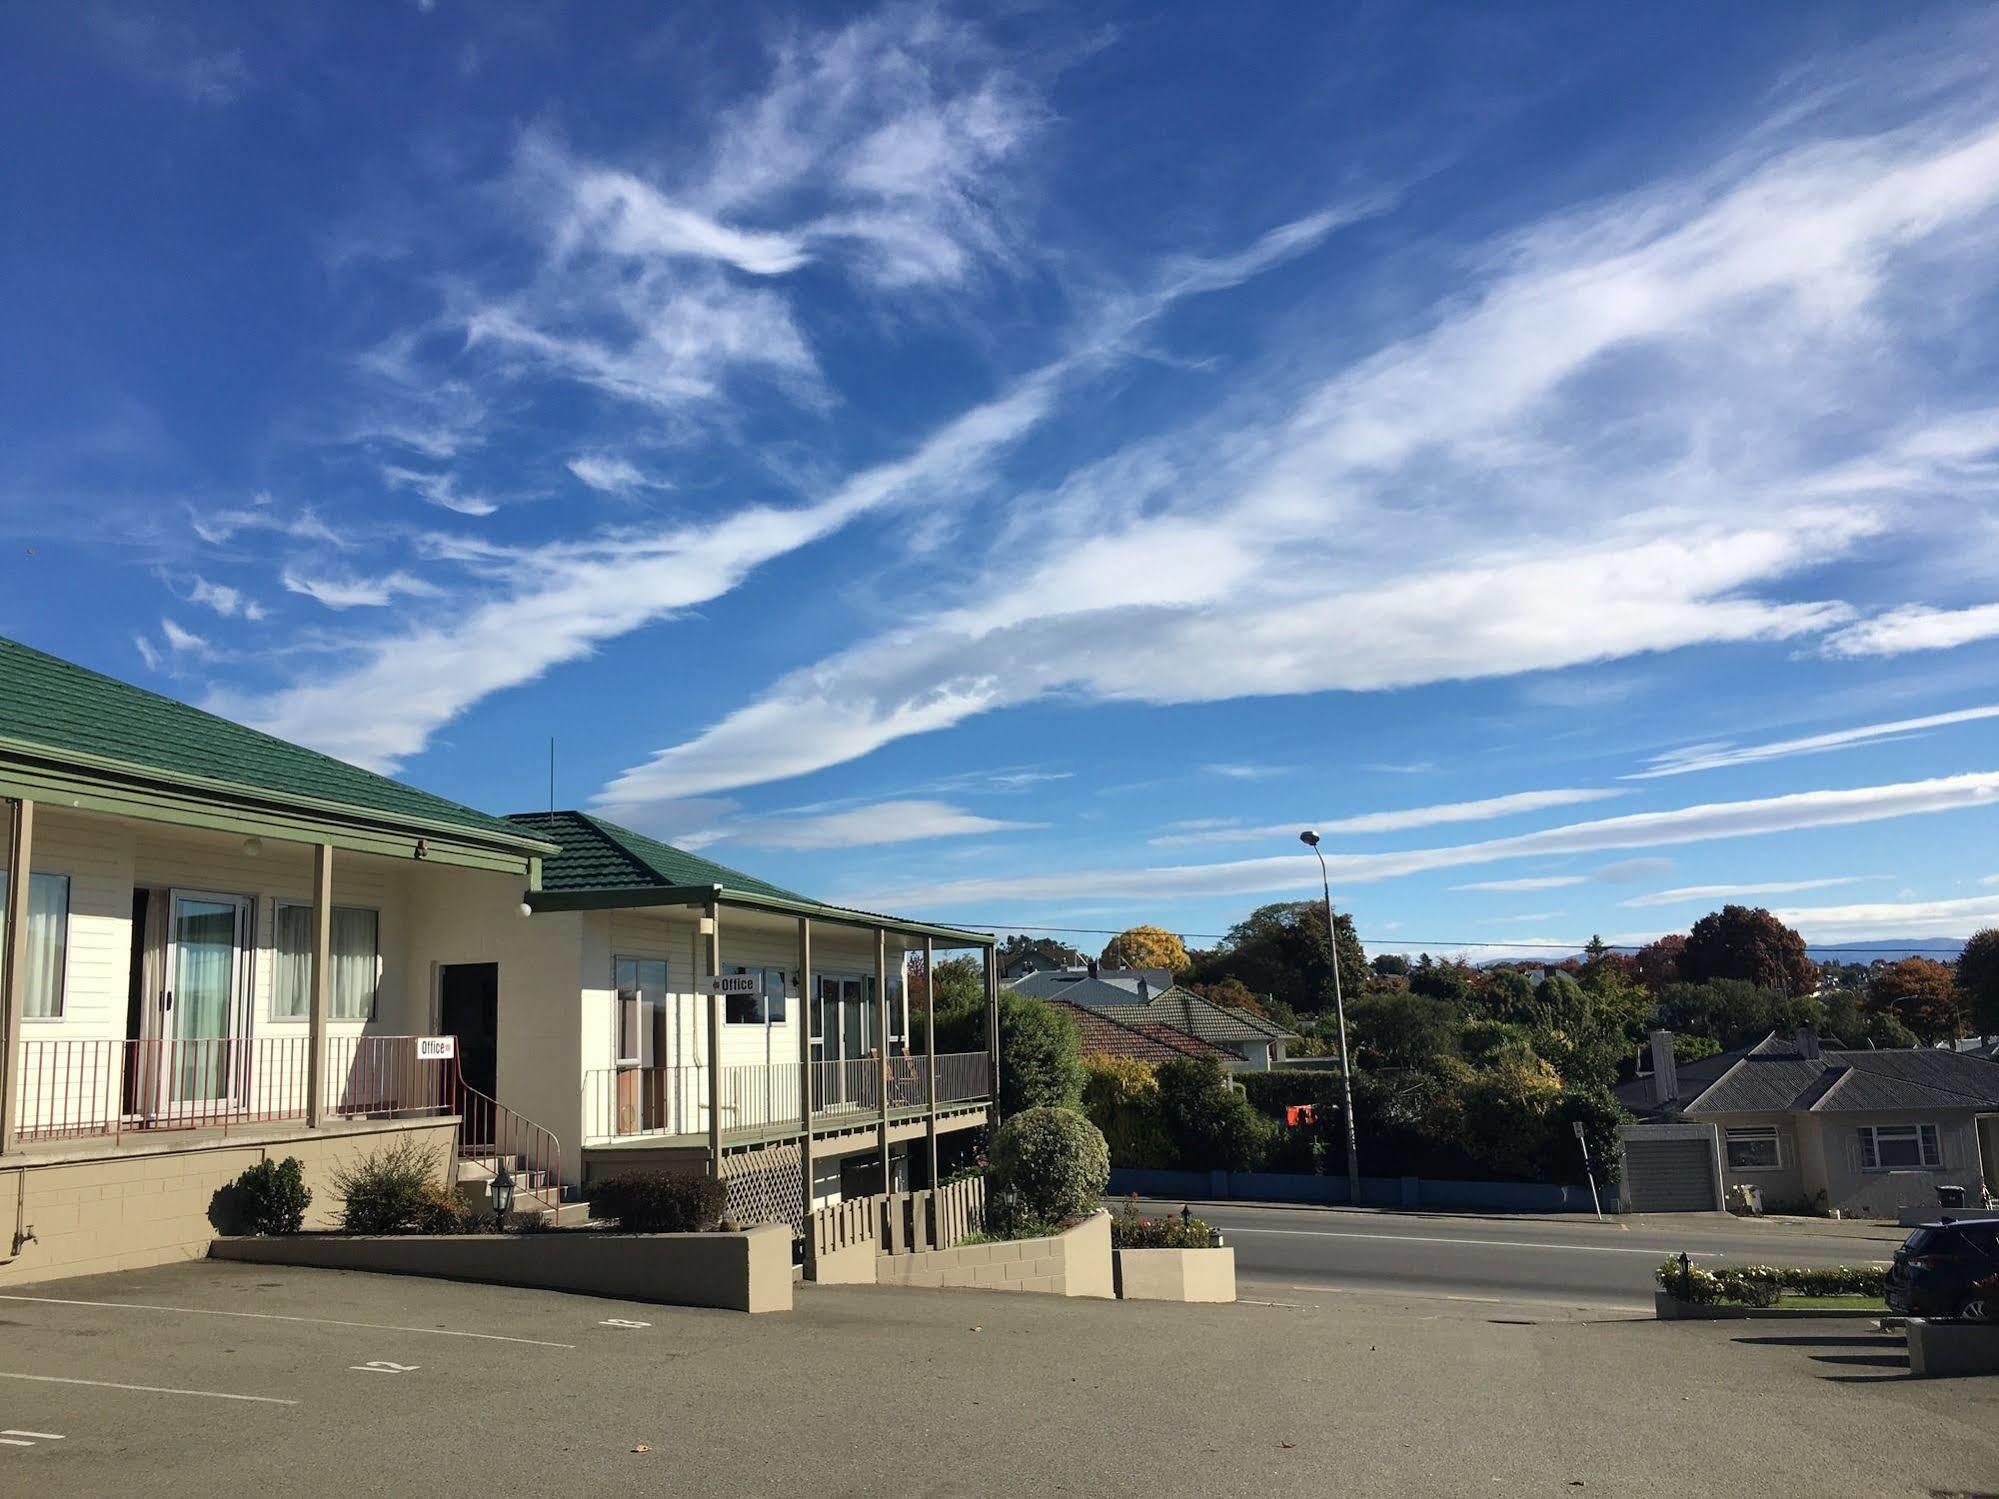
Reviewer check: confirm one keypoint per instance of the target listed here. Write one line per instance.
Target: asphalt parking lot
(207, 1378)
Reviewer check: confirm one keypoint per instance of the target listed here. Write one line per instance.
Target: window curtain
(291, 979)
(48, 943)
(356, 965)
(204, 985)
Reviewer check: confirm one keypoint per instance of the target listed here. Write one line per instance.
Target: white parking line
(148, 1389)
(1323, 1233)
(40, 1436)
(205, 1311)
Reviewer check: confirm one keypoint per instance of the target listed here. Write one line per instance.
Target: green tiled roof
(68, 709)
(600, 855)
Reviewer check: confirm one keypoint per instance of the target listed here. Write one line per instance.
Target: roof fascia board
(638, 896)
(96, 785)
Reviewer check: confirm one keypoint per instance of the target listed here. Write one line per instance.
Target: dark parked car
(1937, 1266)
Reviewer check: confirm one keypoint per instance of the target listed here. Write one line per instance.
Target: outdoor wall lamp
(503, 1199)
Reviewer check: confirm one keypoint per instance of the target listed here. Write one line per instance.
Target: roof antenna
(551, 775)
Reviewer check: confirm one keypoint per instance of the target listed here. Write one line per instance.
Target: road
(1562, 1261)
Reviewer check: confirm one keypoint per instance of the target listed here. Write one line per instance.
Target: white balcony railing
(621, 1102)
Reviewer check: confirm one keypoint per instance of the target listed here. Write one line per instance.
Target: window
(1899, 1147)
(1754, 1148)
(766, 1007)
(48, 943)
(354, 975)
(640, 1020)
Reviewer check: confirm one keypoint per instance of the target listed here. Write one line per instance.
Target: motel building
(217, 947)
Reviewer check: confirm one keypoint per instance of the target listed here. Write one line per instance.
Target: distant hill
(1943, 949)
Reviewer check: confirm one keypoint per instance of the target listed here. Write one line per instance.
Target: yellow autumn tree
(1145, 947)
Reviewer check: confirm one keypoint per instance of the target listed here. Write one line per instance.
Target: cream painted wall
(461, 916)
(1789, 1187)
(1881, 1193)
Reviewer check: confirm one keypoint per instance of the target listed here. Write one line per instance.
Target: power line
(1447, 943)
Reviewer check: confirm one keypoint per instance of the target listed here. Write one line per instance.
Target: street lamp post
(1311, 841)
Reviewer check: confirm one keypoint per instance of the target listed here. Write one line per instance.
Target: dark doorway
(468, 1007)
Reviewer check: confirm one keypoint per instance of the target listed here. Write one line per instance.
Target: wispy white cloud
(1632, 871)
(1915, 627)
(358, 592)
(439, 489)
(1397, 821)
(171, 59)
(1694, 894)
(1265, 539)
(230, 603)
(1696, 757)
(262, 514)
(859, 827)
(610, 474)
(1912, 918)
(1697, 824)
(1526, 883)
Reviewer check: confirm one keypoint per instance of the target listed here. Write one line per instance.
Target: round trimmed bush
(1047, 1166)
(661, 1202)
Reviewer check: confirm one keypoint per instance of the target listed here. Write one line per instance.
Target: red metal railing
(82, 1089)
(491, 1135)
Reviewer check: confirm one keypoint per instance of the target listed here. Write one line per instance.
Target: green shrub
(1765, 1285)
(440, 1210)
(661, 1202)
(1047, 1166)
(273, 1196)
(1121, 1097)
(386, 1190)
(1131, 1230)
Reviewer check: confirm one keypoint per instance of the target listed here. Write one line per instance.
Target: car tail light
(1930, 1262)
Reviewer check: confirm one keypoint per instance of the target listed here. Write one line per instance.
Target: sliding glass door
(205, 1010)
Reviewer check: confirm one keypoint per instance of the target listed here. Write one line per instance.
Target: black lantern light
(503, 1198)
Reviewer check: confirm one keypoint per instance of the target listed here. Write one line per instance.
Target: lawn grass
(1833, 1303)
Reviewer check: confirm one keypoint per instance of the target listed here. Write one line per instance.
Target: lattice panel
(764, 1186)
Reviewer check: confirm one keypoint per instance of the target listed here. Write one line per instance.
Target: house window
(765, 1007)
(48, 943)
(1899, 1147)
(641, 1010)
(354, 976)
(1754, 1148)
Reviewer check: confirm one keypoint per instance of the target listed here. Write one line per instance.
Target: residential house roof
(1104, 1036)
(601, 865)
(1776, 1076)
(1073, 985)
(1131, 985)
(596, 854)
(88, 718)
(1178, 1008)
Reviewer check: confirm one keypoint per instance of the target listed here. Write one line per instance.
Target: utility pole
(1311, 841)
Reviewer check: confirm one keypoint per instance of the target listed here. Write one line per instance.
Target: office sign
(436, 1048)
(734, 983)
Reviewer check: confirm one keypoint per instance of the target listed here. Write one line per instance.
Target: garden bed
(1669, 1308)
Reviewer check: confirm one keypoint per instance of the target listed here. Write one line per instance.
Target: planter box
(744, 1272)
(1944, 1350)
(1075, 1262)
(1175, 1274)
(1669, 1308)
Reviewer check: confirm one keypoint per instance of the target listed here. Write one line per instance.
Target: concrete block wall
(1076, 1262)
(127, 1209)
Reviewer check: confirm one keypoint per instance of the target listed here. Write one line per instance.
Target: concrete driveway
(210, 1379)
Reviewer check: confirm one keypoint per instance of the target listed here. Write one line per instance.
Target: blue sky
(1018, 467)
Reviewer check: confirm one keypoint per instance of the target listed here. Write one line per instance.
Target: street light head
(1309, 838)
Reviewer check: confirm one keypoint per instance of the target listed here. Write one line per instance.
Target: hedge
(1763, 1285)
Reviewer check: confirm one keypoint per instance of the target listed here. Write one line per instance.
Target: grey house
(1866, 1132)
(1150, 996)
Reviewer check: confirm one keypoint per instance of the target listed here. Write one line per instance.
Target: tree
(1658, 963)
(1741, 942)
(1404, 1030)
(1978, 978)
(1923, 995)
(1282, 950)
(1121, 1096)
(1145, 947)
(1733, 1011)
(1041, 1063)
(1391, 965)
(1232, 993)
(1020, 945)
(1212, 1126)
